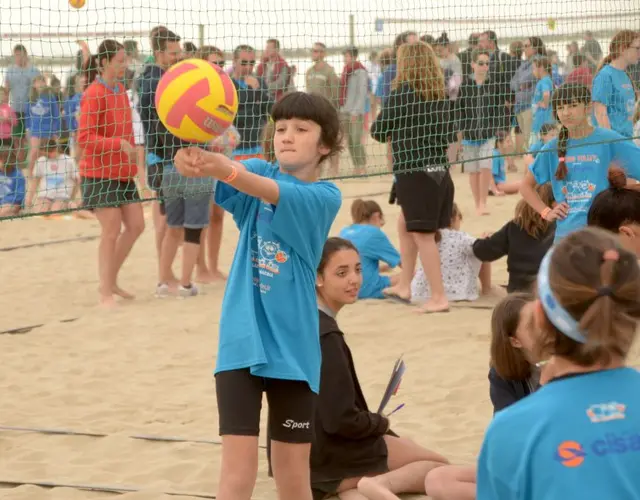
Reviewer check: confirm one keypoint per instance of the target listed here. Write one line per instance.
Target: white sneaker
(162, 290)
(185, 292)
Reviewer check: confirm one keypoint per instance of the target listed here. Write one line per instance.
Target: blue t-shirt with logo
(43, 117)
(497, 167)
(541, 115)
(613, 88)
(12, 187)
(373, 246)
(576, 437)
(269, 319)
(588, 160)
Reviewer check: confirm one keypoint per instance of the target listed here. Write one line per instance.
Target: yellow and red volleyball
(77, 4)
(196, 100)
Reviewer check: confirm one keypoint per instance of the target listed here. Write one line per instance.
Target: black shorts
(426, 204)
(291, 406)
(154, 181)
(101, 193)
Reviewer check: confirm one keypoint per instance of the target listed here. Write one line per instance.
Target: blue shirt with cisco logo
(577, 437)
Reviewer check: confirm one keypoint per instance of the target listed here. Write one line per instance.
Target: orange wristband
(234, 173)
(545, 212)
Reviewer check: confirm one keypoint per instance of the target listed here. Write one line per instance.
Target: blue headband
(558, 316)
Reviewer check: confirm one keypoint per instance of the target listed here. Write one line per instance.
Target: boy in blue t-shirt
(373, 246)
(268, 337)
(576, 163)
(541, 103)
(614, 97)
(579, 435)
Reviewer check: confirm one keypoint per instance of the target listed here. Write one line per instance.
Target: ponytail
(607, 60)
(563, 137)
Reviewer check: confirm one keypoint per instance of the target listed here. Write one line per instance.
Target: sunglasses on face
(245, 62)
(483, 63)
(219, 63)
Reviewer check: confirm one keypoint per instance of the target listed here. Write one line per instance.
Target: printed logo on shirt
(572, 454)
(578, 191)
(292, 424)
(268, 257)
(605, 412)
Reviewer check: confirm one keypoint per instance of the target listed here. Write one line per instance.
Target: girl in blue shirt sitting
(576, 162)
(578, 435)
(374, 247)
(499, 184)
(12, 185)
(268, 334)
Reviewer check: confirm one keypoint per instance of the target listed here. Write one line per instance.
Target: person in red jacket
(108, 166)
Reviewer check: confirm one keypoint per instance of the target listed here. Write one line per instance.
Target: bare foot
(123, 293)
(107, 301)
(204, 277)
(482, 211)
(434, 306)
(219, 275)
(397, 292)
(374, 490)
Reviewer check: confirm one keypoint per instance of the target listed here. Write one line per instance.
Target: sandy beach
(146, 367)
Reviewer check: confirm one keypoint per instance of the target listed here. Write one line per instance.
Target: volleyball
(196, 100)
(77, 4)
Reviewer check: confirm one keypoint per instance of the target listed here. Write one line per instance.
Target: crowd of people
(559, 340)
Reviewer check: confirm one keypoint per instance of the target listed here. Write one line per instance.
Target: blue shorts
(187, 201)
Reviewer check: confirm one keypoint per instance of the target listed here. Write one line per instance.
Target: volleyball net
(54, 159)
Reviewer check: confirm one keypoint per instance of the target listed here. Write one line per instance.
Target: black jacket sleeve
(493, 247)
(336, 407)
(502, 393)
(386, 122)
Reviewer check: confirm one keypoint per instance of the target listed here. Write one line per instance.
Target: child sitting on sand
(12, 184)
(57, 179)
(374, 247)
(460, 267)
(524, 240)
(499, 185)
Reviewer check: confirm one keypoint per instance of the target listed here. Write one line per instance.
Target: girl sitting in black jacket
(524, 240)
(354, 454)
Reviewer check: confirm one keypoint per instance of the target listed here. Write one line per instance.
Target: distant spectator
(274, 70)
(189, 50)
(450, 64)
(466, 55)
(17, 82)
(572, 50)
(8, 120)
(353, 96)
(591, 50)
(428, 39)
(12, 184)
(389, 74)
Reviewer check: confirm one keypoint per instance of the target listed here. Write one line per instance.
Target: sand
(146, 367)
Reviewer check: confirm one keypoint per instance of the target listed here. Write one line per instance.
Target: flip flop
(398, 300)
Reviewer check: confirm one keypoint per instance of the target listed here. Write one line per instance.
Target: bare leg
(483, 189)
(239, 468)
(170, 244)
(190, 253)
(451, 482)
(160, 226)
(290, 462)
(512, 187)
(202, 271)
(133, 220)
(408, 256)
(214, 241)
(110, 220)
(430, 260)
(474, 183)
(485, 278)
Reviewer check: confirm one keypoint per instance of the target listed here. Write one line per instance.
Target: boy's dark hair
(190, 47)
(242, 48)
(455, 212)
(538, 45)
(548, 127)
(208, 50)
(353, 51)
(428, 39)
(476, 53)
(304, 106)
(275, 42)
(331, 246)
(160, 39)
(443, 40)
(509, 361)
(616, 206)
(363, 210)
(20, 48)
(492, 36)
(401, 39)
(597, 282)
(530, 221)
(568, 93)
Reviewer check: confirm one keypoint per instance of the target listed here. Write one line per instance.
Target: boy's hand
(191, 162)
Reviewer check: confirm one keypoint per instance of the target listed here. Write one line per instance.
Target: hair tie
(271, 119)
(611, 254)
(605, 291)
